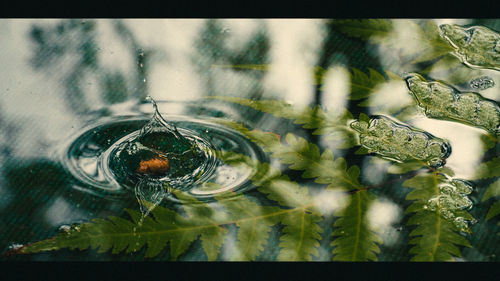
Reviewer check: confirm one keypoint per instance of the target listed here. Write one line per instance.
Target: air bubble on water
(65, 228)
(15, 246)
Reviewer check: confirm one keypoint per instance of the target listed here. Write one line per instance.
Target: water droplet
(113, 167)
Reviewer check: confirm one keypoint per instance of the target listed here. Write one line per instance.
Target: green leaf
(332, 125)
(488, 169)
(362, 85)
(401, 143)
(366, 29)
(439, 215)
(441, 101)
(492, 190)
(352, 232)
(385, 32)
(434, 45)
(300, 217)
(453, 69)
(355, 240)
(403, 168)
(493, 211)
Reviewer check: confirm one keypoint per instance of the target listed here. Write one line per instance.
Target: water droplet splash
(120, 156)
(161, 154)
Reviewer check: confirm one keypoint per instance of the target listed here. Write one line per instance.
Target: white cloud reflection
(465, 141)
(329, 201)
(382, 215)
(61, 212)
(294, 48)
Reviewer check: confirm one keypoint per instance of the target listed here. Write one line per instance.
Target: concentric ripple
(111, 159)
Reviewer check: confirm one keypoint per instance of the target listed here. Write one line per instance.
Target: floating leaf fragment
(400, 143)
(476, 46)
(441, 101)
(482, 83)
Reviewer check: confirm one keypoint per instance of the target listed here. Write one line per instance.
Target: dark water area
(81, 141)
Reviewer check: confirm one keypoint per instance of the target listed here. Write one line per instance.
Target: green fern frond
(434, 44)
(488, 169)
(299, 240)
(362, 84)
(383, 32)
(439, 214)
(332, 125)
(352, 230)
(366, 29)
(453, 69)
(118, 234)
(355, 240)
(492, 191)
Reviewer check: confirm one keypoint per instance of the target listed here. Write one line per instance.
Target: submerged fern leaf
(118, 234)
(362, 84)
(366, 29)
(352, 231)
(301, 232)
(355, 240)
(434, 45)
(492, 191)
(439, 215)
(488, 169)
(300, 217)
(330, 124)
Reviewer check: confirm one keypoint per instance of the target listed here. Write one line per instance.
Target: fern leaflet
(352, 231)
(332, 125)
(438, 214)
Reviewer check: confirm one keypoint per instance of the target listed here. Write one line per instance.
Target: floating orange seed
(157, 165)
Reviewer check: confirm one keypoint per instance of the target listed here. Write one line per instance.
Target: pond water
(249, 139)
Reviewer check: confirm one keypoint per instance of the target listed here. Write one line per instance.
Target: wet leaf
(439, 214)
